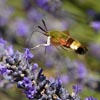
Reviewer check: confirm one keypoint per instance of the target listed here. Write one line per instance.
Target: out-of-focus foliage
(19, 18)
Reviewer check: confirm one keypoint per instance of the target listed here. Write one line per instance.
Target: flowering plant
(17, 68)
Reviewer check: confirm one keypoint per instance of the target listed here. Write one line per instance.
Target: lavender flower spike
(76, 89)
(30, 79)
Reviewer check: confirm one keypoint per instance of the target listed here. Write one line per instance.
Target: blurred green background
(76, 16)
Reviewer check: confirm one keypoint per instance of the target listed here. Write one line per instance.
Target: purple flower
(81, 70)
(90, 98)
(26, 82)
(49, 5)
(95, 25)
(5, 14)
(21, 27)
(35, 66)
(34, 15)
(95, 49)
(30, 92)
(64, 79)
(76, 89)
(58, 82)
(41, 2)
(28, 55)
(10, 50)
(28, 86)
(2, 41)
(3, 69)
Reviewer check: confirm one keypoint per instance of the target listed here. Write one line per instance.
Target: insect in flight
(61, 38)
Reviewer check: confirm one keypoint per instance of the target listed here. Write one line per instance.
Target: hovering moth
(61, 38)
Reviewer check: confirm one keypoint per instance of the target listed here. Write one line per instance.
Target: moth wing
(66, 32)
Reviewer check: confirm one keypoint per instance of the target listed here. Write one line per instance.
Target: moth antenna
(42, 29)
(44, 25)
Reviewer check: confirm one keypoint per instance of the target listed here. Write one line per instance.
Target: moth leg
(45, 44)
